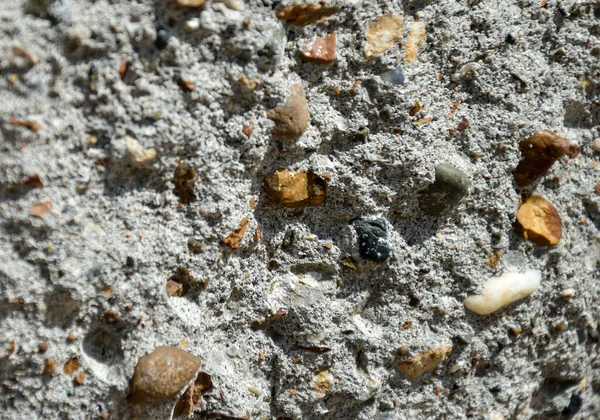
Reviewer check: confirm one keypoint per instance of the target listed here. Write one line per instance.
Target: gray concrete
(67, 268)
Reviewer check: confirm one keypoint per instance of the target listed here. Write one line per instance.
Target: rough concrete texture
(308, 330)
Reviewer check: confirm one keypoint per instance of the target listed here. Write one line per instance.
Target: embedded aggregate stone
(160, 375)
(373, 243)
(451, 185)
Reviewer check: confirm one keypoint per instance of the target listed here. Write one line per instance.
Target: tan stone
(416, 36)
(191, 3)
(32, 125)
(137, 153)
(299, 190)
(322, 50)
(234, 239)
(425, 361)
(539, 151)
(49, 367)
(291, 119)
(190, 399)
(39, 209)
(539, 221)
(383, 32)
(322, 381)
(160, 375)
(72, 366)
(305, 14)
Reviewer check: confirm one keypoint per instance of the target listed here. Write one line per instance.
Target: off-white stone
(501, 291)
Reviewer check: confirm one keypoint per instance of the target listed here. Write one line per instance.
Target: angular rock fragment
(32, 125)
(539, 221)
(321, 382)
(137, 153)
(416, 36)
(160, 375)
(184, 179)
(425, 361)
(34, 181)
(39, 209)
(322, 50)
(291, 119)
(539, 151)
(501, 291)
(299, 190)
(372, 239)
(234, 239)
(383, 32)
(191, 397)
(451, 185)
(305, 14)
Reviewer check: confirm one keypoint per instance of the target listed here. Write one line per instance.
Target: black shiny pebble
(372, 239)
(163, 35)
(574, 406)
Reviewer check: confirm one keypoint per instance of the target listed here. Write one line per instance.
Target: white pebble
(137, 153)
(567, 294)
(596, 145)
(192, 25)
(501, 291)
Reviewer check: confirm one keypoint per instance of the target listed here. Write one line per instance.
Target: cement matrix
(116, 232)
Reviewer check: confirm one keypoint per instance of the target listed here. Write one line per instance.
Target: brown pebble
(105, 415)
(257, 234)
(252, 202)
(43, 346)
(49, 367)
(34, 181)
(72, 366)
(111, 317)
(160, 375)
(414, 110)
(463, 124)
(425, 361)
(305, 14)
(382, 33)
(235, 237)
(32, 125)
(539, 221)
(299, 190)
(186, 85)
(247, 130)
(322, 50)
(72, 336)
(574, 150)
(123, 67)
(184, 178)
(328, 245)
(539, 151)
(11, 348)
(291, 119)
(80, 378)
(598, 188)
(40, 208)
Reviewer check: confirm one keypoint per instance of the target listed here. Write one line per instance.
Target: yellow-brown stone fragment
(305, 14)
(425, 361)
(234, 239)
(72, 366)
(299, 190)
(190, 399)
(416, 36)
(383, 32)
(291, 119)
(539, 221)
(39, 209)
(32, 125)
(322, 381)
(160, 375)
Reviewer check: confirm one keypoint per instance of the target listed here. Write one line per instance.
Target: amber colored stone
(299, 190)
(235, 237)
(34, 181)
(383, 32)
(49, 367)
(539, 221)
(321, 52)
(305, 14)
(32, 125)
(72, 366)
(423, 362)
(160, 375)
(539, 151)
(291, 119)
